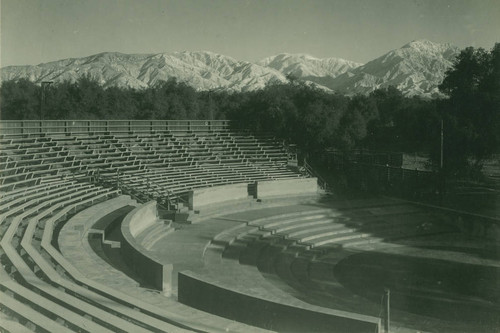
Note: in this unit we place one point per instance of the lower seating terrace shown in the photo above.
(29, 273)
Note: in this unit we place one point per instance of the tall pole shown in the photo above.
(210, 106)
(441, 166)
(442, 141)
(387, 304)
(42, 96)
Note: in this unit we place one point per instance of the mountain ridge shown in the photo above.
(416, 68)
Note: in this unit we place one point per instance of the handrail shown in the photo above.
(291, 151)
(321, 181)
(152, 186)
(22, 127)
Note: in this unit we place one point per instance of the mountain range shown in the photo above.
(417, 68)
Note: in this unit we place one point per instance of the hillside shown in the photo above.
(417, 68)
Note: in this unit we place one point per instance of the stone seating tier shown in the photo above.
(29, 267)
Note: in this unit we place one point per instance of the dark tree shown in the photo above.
(20, 100)
(472, 112)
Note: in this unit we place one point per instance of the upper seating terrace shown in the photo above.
(176, 155)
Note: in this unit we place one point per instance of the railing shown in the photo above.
(365, 156)
(291, 154)
(321, 181)
(22, 127)
(395, 175)
(165, 198)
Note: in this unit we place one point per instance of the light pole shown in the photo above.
(387, 309)
(442, 141)
(210, 105)
(42, 96)
(441, 165)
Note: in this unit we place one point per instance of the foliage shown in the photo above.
(87, 99)
(19, 100)
(472, 112)
(294, 111)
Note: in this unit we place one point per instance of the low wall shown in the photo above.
(471, 224)
(144, 217)
(151, 272)
(291, 187)
(251, 310)
(475, 225)
(217, 194)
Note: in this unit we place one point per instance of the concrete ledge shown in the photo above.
(217, 194)
(287, 187)
(236, 305)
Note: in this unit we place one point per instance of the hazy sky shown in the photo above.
(36, 31)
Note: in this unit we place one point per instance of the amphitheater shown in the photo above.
(177, 226)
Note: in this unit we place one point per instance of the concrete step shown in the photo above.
(234, 250)
(302, 225)
(336, 240)
(299, 234)
(331, 232)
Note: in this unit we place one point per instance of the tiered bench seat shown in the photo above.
(25, 266)
(34, 271)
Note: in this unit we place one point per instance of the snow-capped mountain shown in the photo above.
(416, 68)
(202, 70)
(304, 66)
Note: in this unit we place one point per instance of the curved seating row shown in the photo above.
(29, 271)
(311, 234)
(324, 229)
(34, 272)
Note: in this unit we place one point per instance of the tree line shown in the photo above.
(303, 114)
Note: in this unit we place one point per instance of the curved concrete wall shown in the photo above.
(210, 297)
(143, 217)
(151, 272)
(287, 187)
